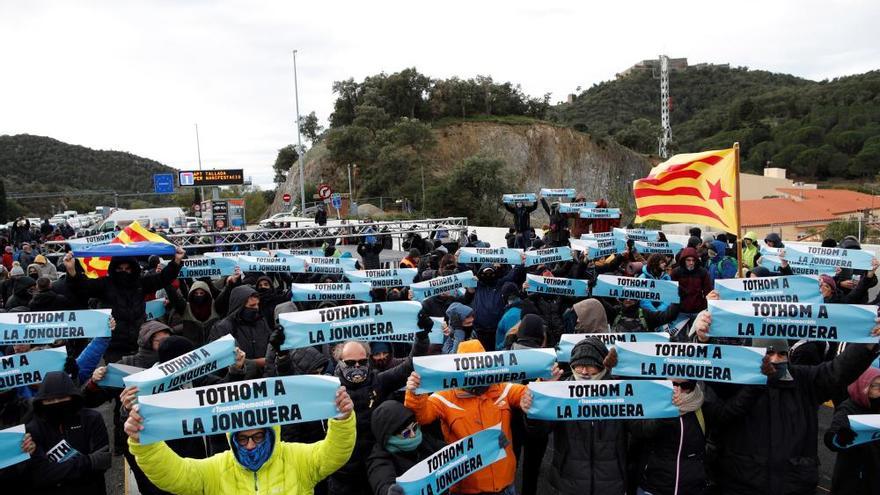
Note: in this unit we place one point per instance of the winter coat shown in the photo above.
(766, 435)
(589, 457)
(192, 328)
(750, 254)
(292, 468)
(125, 299)
(856, 469)
(462, 414)
(522, 220)
(367, 395)
(651, 305)
(693, 285)
(383, 467)
(21, 292)
(146, 357)
(671, 455)
(85, 434)
(49, 301)
(721, 266)
(251, 337)
(302, 361)
(488, 304)
(369, 254)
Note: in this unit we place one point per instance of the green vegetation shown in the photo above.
(817, 130)
(37, 164)
(843, 228)
(472, 190)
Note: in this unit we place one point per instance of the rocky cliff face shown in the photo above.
(536, 155)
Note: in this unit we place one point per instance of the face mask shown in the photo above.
(382, 363)
(254, 459)
(354, 374)
(60, 413)
(263, 290)
(125, 278)
(397, 443)
(875, 404)
(249, 315)
(34, 275)
(202, 299)
(781, 372)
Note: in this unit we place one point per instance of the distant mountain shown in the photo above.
(38, 164)
(817, 130)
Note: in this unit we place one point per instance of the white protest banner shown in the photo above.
(170, 375)
(236, 254)
(337, 291)
(439, 285)
(482, 368)
(602, 399)
(369, 321)
(29, 368)
(454, 462)
(709, 362)
(10, 446)
(208, 267)
(501, 255)
(226, 407)
(45, 327)
(643, 289)
(287, 264)
(548, 255)
(557, 286)
(384, 277)
(792, 288)
(567, 341)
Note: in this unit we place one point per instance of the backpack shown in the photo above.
(629, 324)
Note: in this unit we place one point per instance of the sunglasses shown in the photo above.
(356, 362)
(410, 431)
(686, 386)
(257, 438)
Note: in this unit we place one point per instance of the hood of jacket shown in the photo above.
(752, 236)
(388, 419)
(591, 317)
(22, 285)
(285, 307)
(148, 329)
(239, 297)
(116, 261)
(306, 360)
(720, 249)
(531, 333)
(199, 284)
(456, 313)
(56, 384)
(773, 236)
(857, 388)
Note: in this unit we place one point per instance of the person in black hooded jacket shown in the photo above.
(22, 292)
(123, 290)
(767, 435)
(72, 447)
(400, 445)
(589, 456)
(368, 388)
(245, 322)
(857, 470)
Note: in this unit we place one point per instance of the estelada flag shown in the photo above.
(695, 188)
(133, 240)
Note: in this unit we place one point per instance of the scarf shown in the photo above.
(691, 401)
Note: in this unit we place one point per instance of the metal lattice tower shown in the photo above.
(665, 126)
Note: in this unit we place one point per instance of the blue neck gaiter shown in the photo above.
(254, 459)
(397, 444)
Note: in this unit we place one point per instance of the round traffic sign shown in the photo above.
(324, 191)
(286, 198)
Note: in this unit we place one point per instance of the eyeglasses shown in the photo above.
(686, 386)
(410, 431)
(257, 437)
(356, 362)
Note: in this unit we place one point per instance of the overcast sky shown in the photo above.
(137, 76)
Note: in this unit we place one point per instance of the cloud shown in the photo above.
(137, 76)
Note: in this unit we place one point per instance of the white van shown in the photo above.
(164, 218)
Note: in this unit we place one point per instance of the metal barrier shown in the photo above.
(277, 238)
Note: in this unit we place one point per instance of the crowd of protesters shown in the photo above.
(728, 438)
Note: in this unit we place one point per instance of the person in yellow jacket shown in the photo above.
(258, 462)
(751, 253)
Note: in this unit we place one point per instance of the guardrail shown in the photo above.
(291, 237)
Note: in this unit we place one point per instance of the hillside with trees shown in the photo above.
(817, 130)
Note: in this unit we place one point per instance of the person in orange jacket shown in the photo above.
(463, 412)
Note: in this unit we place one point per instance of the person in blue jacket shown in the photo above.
(655, 269)
(488, 302)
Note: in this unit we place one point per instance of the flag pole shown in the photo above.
(739, 240)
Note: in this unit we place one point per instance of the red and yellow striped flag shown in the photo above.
(95, 267)
(695, 188)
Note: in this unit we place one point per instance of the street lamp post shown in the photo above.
(302, 184)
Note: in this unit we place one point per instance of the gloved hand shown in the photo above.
(276, 338)
(425, 323)
(767, 367)
(503, 442)
(845, 437)
(395, 489)
(71, 368)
